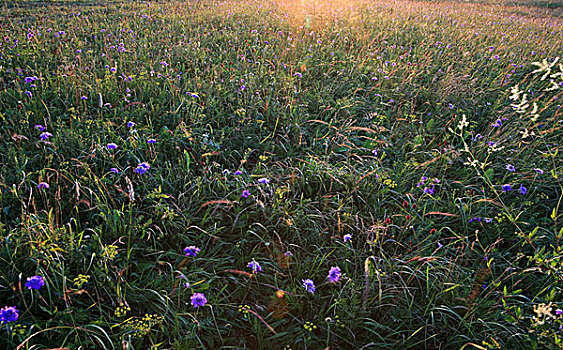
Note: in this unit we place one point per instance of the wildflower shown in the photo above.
(114, 170)
(39, 127)
(539, 171)
(264, 180)
(309, 285)
(198, 299)
(8, 314)
(130, 124)
(43, 185)
(45, 135)
(28, 93)
(255, 266)
(142, 168)
(83, 98)
(151, 141)
(429, 190)
(35, 282)
(334, 274)
(506, 188)
(191, 250)
(238, 172)
(523, 190)
(488, 220)
(288, 253)
(388, 221)
(347, 237)
(510, 167)
(111, 146)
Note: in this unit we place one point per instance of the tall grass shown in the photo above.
(385, 138)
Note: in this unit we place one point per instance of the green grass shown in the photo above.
(388, 121)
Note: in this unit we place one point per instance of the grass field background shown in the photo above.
(155, 152)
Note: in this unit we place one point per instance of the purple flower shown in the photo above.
(114, 170)
(506, 188)
(28, 93)
(151, 141)
(334, 274)
(288, 253)
(255, 266)
(9, 314)
(43, 185)
(238, 172)
(45, 135)
(130, 124)
(245, 193)
(488, 220)
(264, 180)
(35, 282)
(510, 167)
(111, 146)
(198, 299)
(347, 237)
(539, 171)
(191, 250)
(309, 285)
(523, 190)
(83, 98)
(429, 190)
(142, 168)
(39, 127)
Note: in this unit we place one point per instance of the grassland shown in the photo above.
(176, 173)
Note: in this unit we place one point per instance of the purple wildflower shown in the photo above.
(198, 299)
(151, 141)
(238, 172)
(39, 127)
(142, 168)
(429, 190)
(45, 135)
(43, 185)
(510, 167)
(114, 170)
(539, 171)
(9, 314)
(111, 146)
(309, 285)
(255, 266)
(347, 237)
(245, 193)
(506, 188)
(334, 274)
(264, 180)
(523, 190)
(130, 124)
(35, 282)
(28, 93)
(191, 250)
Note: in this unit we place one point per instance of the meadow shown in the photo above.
(233, 174)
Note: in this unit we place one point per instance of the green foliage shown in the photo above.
(375, 136)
